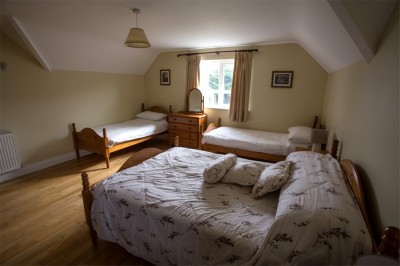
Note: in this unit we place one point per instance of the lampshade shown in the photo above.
(137, 39)
(319, 136)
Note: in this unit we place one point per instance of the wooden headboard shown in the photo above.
(316, 124)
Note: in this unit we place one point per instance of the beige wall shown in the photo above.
(362, 110)
(271, 109)
(38, 106)
(361, 106)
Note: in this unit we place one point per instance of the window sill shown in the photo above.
(217, 108)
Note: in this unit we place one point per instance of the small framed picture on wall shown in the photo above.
(165, 77)
(282, 79)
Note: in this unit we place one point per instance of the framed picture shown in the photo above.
(165, 77)
(282, 79)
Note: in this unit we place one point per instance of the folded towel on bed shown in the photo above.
(214, 172)
(243, 173)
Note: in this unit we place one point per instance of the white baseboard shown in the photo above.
(30, 168)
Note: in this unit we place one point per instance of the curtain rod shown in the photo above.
(218, 52)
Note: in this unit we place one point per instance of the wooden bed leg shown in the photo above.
(143, 107)
(106, 152)
(74, 132)
(107, 156)
(219, 122)
(176, 143)
(87, 198)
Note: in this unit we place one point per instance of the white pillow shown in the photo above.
(215, 171)
(149, 115)
(245, 174)
(300, 135)
(272, 178)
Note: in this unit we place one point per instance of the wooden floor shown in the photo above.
(42, 219)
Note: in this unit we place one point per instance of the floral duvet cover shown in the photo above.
(163, 211)
(317, 220)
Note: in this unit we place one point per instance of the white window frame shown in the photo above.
(221, 90)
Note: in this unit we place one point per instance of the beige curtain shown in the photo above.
(240, 87)
(192, 74)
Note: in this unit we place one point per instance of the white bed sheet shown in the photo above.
(248, 139)
(132, 129)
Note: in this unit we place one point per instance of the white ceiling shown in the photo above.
(88, 35)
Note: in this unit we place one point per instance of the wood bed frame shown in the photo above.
(349, 170)
(246, 153)
(354, 181)
(89, 140)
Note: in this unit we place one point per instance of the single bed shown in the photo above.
(256, 144)
(163, 211)
(110, 138)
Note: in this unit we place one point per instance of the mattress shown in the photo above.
(248, 139)
(132, 129)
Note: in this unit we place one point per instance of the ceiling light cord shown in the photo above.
(136, 11)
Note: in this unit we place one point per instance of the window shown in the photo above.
(216, 82)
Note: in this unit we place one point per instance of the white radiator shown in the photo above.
(9, 159)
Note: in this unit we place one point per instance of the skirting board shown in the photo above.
(30, 168)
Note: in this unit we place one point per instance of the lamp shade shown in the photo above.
(137, 39)
(319, 136)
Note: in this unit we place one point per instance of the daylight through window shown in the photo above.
(216, 82)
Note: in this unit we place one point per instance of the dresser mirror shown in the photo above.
(195, 101)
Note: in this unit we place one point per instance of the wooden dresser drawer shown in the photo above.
(188, 127)
(182, 120)
(182, 127)
(184, 142)
(183, 135)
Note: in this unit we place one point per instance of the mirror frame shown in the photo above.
(201, 102)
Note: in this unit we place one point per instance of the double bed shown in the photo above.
(256, 144)
(110, 138)
(162, 210)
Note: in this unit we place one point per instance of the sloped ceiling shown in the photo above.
(88, 35)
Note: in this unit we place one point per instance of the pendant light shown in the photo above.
(136, 37)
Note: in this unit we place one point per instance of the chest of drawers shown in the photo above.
(189, 128)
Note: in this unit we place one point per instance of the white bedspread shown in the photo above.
(248, 139)
(132, 129)
(163, 211)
